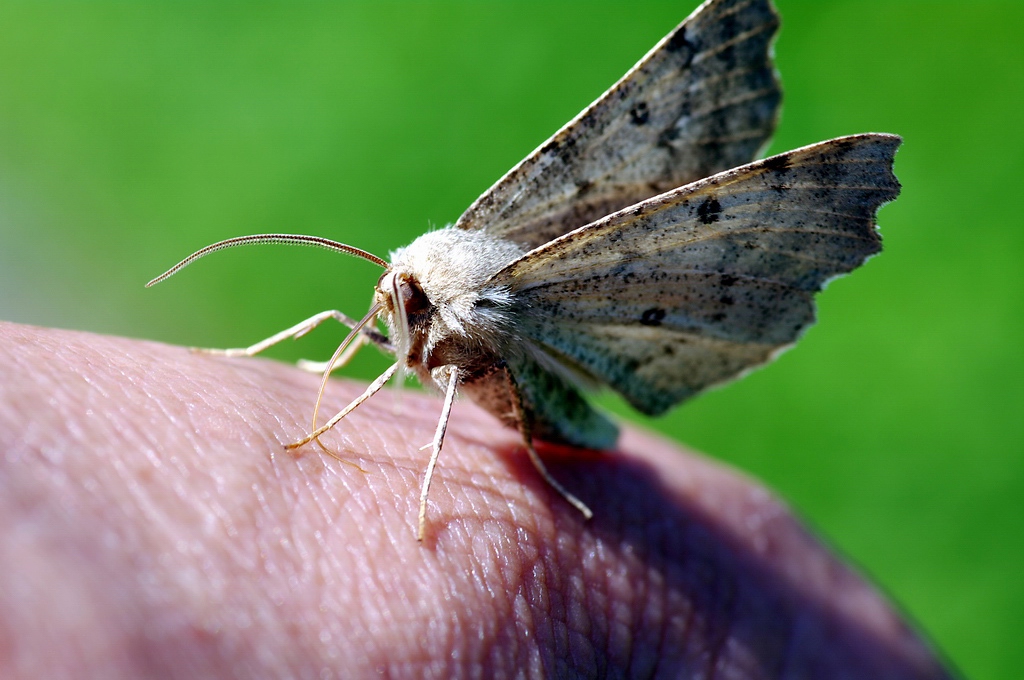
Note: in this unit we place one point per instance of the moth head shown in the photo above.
(404, 307)
(400, 294)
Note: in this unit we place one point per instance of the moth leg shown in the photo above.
(525, 430)
(365, 335)
(371, 390)
(442, 425)
(297, 331)
(346, 356)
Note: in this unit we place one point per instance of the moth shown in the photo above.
(639, 248)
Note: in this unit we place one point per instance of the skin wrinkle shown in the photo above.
(622, 605)
(584, 635)
(318, 500)
(599, 625)
(267, 547)
(653, 601)
(542, 592)
(497, 582)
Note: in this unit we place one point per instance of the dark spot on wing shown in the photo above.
(666, 138)
(678, 44)
(652, 316)
(559, 147)
(583, 187)
(728, 280)
(709, 210)
(778, 164)
(845, 144)
(639, 114)
(728, 57)
(830, 173)
(730, 27)
(713, 156)
(727, 300)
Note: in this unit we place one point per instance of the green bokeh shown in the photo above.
(133, 133)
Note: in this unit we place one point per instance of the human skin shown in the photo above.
(154, 526)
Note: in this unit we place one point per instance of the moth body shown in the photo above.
(640, 248)
(444, 312)
(438, 307)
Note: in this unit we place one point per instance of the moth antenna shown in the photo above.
(284, 239)
(370, 316)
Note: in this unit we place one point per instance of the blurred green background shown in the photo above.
(134, 133)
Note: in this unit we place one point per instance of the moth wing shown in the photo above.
(703, 100)
(697, 285)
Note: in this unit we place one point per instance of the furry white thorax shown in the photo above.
(451, 267)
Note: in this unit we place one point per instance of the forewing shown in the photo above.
(692, 287)
(705, 99)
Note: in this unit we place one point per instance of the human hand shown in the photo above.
(154, 526)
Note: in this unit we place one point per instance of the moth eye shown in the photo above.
(415, 300)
